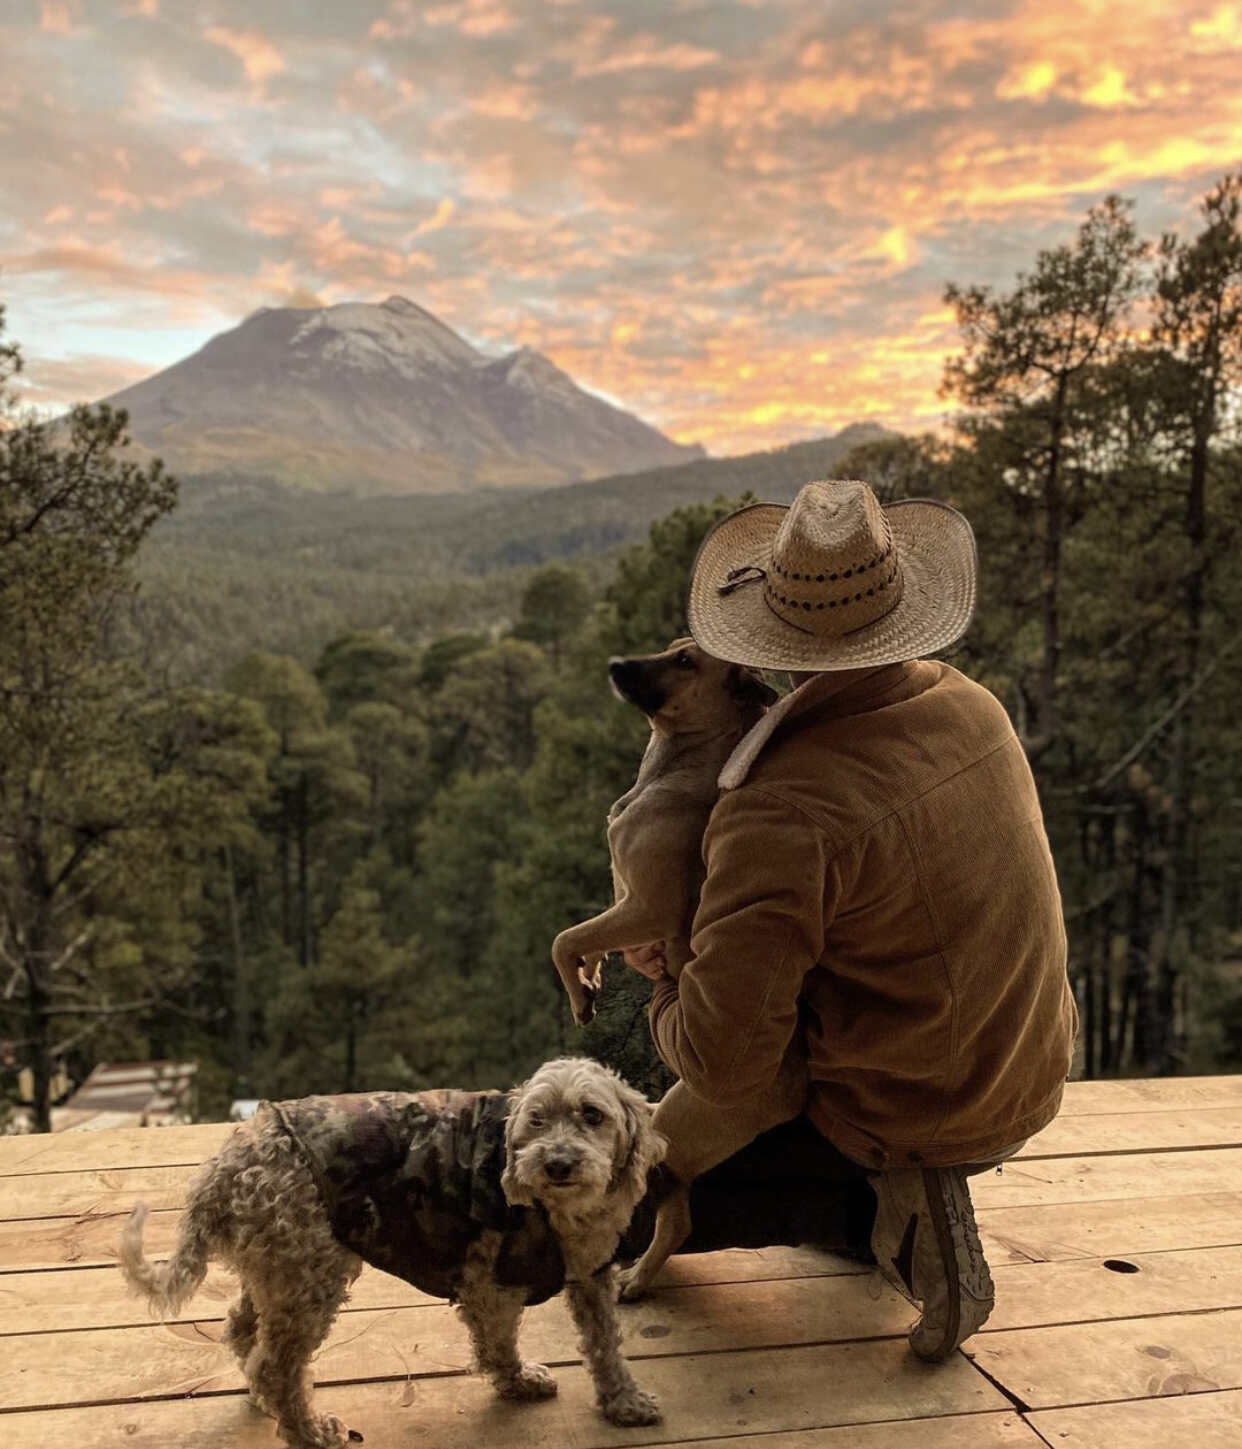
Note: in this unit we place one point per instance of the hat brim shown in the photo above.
(936, 547)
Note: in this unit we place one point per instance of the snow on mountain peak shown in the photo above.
(396, 334)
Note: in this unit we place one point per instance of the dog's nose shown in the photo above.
(558, 1168)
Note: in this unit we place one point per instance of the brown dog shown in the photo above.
(699, 708)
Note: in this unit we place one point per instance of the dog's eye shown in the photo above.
(592, 1116)
(534, 1120)
(685, 660)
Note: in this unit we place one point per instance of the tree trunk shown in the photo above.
(305, 943)
(241, 983)
(1136, 999)
(1174, 896)
(351, 1050)
(1089, 931)
(1108, 1035)
(285, 856)
(1050, 574)
(37, 958)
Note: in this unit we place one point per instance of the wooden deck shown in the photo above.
(1116, 1242)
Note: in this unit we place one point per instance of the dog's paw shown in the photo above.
(632, 1407)
(591, 972)
(533, 1381)
(331, 1433)
(584, 1005)
(631, 1285)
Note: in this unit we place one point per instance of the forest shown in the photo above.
(341, 867)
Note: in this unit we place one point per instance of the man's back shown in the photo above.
(940, 1021)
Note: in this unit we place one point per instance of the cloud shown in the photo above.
(259, 57)
(737, 219)
(649, 53)
(54, 382)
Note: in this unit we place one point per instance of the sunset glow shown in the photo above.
(736, 219)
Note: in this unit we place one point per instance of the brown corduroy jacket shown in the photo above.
(884, 859)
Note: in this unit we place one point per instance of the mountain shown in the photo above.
(380, 399)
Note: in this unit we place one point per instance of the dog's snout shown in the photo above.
(635, 681)
(558, 1168)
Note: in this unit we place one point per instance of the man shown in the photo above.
(877, 859)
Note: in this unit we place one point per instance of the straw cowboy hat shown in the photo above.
(834, 581)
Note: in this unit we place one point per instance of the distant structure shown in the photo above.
(130, 1094)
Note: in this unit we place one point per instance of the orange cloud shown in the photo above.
(471, 17)
(444, 213)
(647, 52)
(47, 382)
(57, 17)
(259, 57)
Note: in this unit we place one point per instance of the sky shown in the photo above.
(737, 219)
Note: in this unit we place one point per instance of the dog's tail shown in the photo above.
(167, 1285)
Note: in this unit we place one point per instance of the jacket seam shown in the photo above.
(950, 1070)
(966, 1151)
(778, 794)
(781, 799)
(740, 1055)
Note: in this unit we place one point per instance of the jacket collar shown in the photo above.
(837, 692)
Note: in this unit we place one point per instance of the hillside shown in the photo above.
(242, 566)
(380, 400)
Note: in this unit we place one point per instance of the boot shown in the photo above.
(926, 1243)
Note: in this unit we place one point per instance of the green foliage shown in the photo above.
(1100, 465)
(82, 794)
(554, 604)
(482, 716)
(251, 566)
(336, 1023)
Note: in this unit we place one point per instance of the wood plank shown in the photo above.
(162, 1146)
(77, 1298)
(740, 1393)
(426, 1337)
(1013, 1234)
(115, 1147)
(156, 1361)
(77, 1242)
(39, 1302)
(1033, 1294)
(97, 1190)
(1151, 1094)
(1090, 1179)
(979, 1431)
(992, 1430)
(1191, 1421)
(1112, 1132)
(1021, 1182)
(1110, 1228)
(1126, 1359)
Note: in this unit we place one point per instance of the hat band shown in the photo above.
(835, 614)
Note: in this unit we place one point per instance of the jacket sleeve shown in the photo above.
(723, 1027)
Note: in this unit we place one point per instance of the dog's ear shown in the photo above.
(749, 687)
(515, 1191)
(640, 1146)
